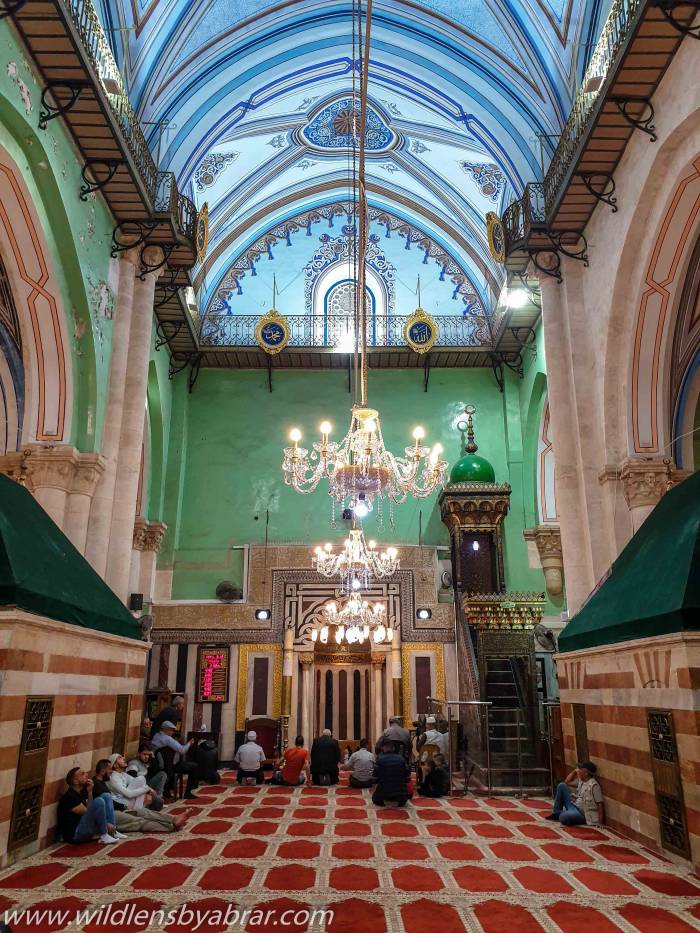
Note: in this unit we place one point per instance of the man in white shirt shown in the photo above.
(250, 757)
(579, 799)
(163, 740)
(433, 736)
(361, 763)
(132, 792)
(143, 766)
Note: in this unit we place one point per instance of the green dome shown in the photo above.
(472, 469)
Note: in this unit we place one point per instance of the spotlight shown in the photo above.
(593, 84)
(515, 298)
(360, 506)
(424, 613)
(262, 615)
(475, 545)
(356, 585)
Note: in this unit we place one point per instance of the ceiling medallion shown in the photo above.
(496, 236)
(354, 621)
(357, 563)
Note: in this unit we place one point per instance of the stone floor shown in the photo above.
(491, 865)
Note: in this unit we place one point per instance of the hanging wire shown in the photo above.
(362, 259)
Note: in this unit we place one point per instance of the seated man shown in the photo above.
(206, 754)
(82, 815)
(361, 764)
(433, 736)
(163, 739)
(146, 767)
(171, 713)
(292, 763)
(250, 757)
(436, 780)
(391, 774)
(325, 758)
(585, 805)
(137, 820)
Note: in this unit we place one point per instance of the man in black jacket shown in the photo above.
(171, 713)
(325, 759)
(391, 774)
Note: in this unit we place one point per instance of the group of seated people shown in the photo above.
(386, 769)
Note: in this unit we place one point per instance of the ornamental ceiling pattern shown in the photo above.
(256, 100)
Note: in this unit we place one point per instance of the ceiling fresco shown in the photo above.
(249, 103)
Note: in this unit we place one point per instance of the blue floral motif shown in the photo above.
(331, 128)
(211, 166)
(489, 178)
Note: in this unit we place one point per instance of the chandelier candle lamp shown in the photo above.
(354, 621)
(357, 563)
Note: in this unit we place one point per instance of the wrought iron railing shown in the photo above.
(160, 187)
(308, 330)
(520, 216)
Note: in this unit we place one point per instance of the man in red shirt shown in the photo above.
(292, 763)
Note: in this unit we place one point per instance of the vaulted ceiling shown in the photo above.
(467, 97)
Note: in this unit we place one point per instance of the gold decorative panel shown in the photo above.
(242, 694)
(422, 648)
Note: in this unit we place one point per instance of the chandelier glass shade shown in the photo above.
(360, 468)
(357, 563)
(354, 621)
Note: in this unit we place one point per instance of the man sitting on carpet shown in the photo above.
(164, 743)
(585, 805)
(325, 758)
(361, 763)
(391, 774)
(82, 815)
(145, 766)
(292, 763)
(138, 820)
(436, 780)
(250, 757)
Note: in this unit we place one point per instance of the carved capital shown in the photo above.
(139, 539)
(548, 541)
(50, 467)
(644, 482)
(89, 469)
(378, 659)
(148, 536)
(306, 658)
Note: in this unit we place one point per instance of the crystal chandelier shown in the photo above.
(357, 563)
(354, 622)
(360, 468)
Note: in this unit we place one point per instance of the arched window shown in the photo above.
(339, 315)
(11, 369)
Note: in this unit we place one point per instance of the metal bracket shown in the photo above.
(181, 360)
(426, 371)
(195, 366)
(529, 342)
(667, 9)
(10, 7)
(166, 331)
(140, 230)
(110, 167)
(602, 186)
(512, 361)
(147, 268)
(643, 122)
(547, 259)
(49, 111)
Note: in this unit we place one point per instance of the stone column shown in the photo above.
(146, 541)
(89, 469)
(101, 509)
(397, 693)
(578, 565)
(548, 541)
(131, 439)
(644, 483)
(287, 671)
(378, 659)
(306, 659)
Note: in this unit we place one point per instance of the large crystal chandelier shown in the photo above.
(357, 563)
(355, 621)
(360, 468)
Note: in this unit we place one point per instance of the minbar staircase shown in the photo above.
(501, 690)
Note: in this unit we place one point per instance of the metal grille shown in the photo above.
(31, 771)
(37, 722)
(674, 833)
(8, 311)
(661, 739)
(121, 723)
(25, 825)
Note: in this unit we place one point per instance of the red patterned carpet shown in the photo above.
(451, 865)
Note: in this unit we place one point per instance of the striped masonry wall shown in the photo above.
(617, 685)
(84, 671)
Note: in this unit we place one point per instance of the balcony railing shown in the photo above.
(540, 201)
(159, 187)
(334, 333)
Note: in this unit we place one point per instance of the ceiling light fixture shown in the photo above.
(354, 621)
(357, 563)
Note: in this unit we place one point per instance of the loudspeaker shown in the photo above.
(136, 602)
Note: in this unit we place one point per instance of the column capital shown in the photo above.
(378, 659)
(38, 466)
(89, 469)
(645, 481)
(547, 538)
(148, 536)
(306, 658)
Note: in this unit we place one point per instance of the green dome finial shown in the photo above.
(470, 468)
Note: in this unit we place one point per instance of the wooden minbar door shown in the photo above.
(31, 772)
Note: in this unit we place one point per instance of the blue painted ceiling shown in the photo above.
(255, 101)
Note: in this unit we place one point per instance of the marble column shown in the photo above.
(88, 471)
(378, 660)
(287, 672)
(132, 425)
(578, 566)
(547, 538)
(397, 693)
(98, 536)
(306, 659)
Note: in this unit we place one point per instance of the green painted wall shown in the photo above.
(224, 465)
(78, 234)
